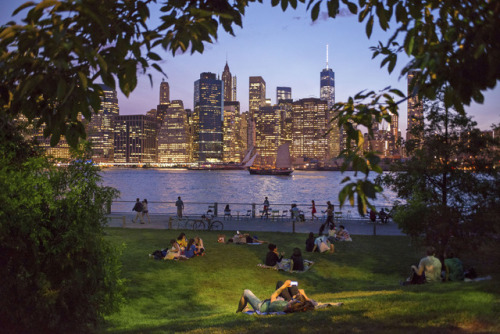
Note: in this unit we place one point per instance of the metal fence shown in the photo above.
(252, 210)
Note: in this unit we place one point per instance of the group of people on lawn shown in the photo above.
(181, 249)
(430, 269)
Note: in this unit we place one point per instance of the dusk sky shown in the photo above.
(286, 49)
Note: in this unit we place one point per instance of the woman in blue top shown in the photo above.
(190, 250)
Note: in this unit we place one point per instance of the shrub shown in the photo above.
(57, 271)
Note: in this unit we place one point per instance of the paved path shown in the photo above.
(354, 226)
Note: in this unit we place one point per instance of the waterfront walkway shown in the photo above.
(243, 224)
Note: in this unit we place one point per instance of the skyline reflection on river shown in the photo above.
(236, 187)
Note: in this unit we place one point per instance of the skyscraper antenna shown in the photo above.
(327, 56)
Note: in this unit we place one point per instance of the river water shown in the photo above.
(235, 187)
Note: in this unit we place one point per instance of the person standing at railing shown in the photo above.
(265, 212)
(180, 207)
(145, 211)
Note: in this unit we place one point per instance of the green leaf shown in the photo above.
(315, 11)
(284, 4)
(369, 26)
(154, 56)
(274, 3)
(23, 6)
(352, 7)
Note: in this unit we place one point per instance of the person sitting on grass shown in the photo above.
(182, 241)
(299, 302)
(428, 271)
(310, 242)
(174, 253)
(322, 245)
(332, 233)
(190, 250)
(296, 260)
(343, 234)
(273, 257)
(200, 249)
(454, 269)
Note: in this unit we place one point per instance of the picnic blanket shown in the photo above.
(285, 266)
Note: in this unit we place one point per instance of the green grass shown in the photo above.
(200, 295)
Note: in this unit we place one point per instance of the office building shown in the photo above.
(267, 133)
(285, 108)
(229, 84)
(135, 139)
(100, 130)
(415, 120)
(164, 92)
(256, 99)
(283, 93)
(310, 140)
(327, 93)
(173, 136)
(233, 146)
(207, 118)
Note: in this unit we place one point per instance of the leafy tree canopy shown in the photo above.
(450, 183)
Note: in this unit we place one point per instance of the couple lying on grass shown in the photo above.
(245, 238)
(181, 249)
(286, 298)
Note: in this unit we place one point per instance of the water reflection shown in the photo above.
(236, 187)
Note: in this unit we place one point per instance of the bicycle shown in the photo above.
(181, 222)
(208, 223)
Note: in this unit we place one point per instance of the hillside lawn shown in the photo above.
(200, 295)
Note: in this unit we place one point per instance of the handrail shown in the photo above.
(199, 208)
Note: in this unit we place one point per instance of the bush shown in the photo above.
(57, 271)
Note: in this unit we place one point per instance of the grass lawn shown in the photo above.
(201, 295)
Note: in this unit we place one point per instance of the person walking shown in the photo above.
(138, 208)
(145, 211)
(180, 207)
(313, 210)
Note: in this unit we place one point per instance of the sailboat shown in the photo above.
(283, 164)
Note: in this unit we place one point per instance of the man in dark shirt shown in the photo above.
(138, 208)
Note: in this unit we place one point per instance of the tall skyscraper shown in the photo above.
(233, 88)
(228, 84)
(310, 140)
(164, 92)
(267, 133)
(207, 118)
(231, 132)
(173, 137)
(415, 108)
(327, 84)
(135, 139)
(101, 126)
(256, 99)
(283, 93)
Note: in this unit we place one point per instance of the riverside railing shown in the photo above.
(239, 210)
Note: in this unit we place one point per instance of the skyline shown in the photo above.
(286, 49)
